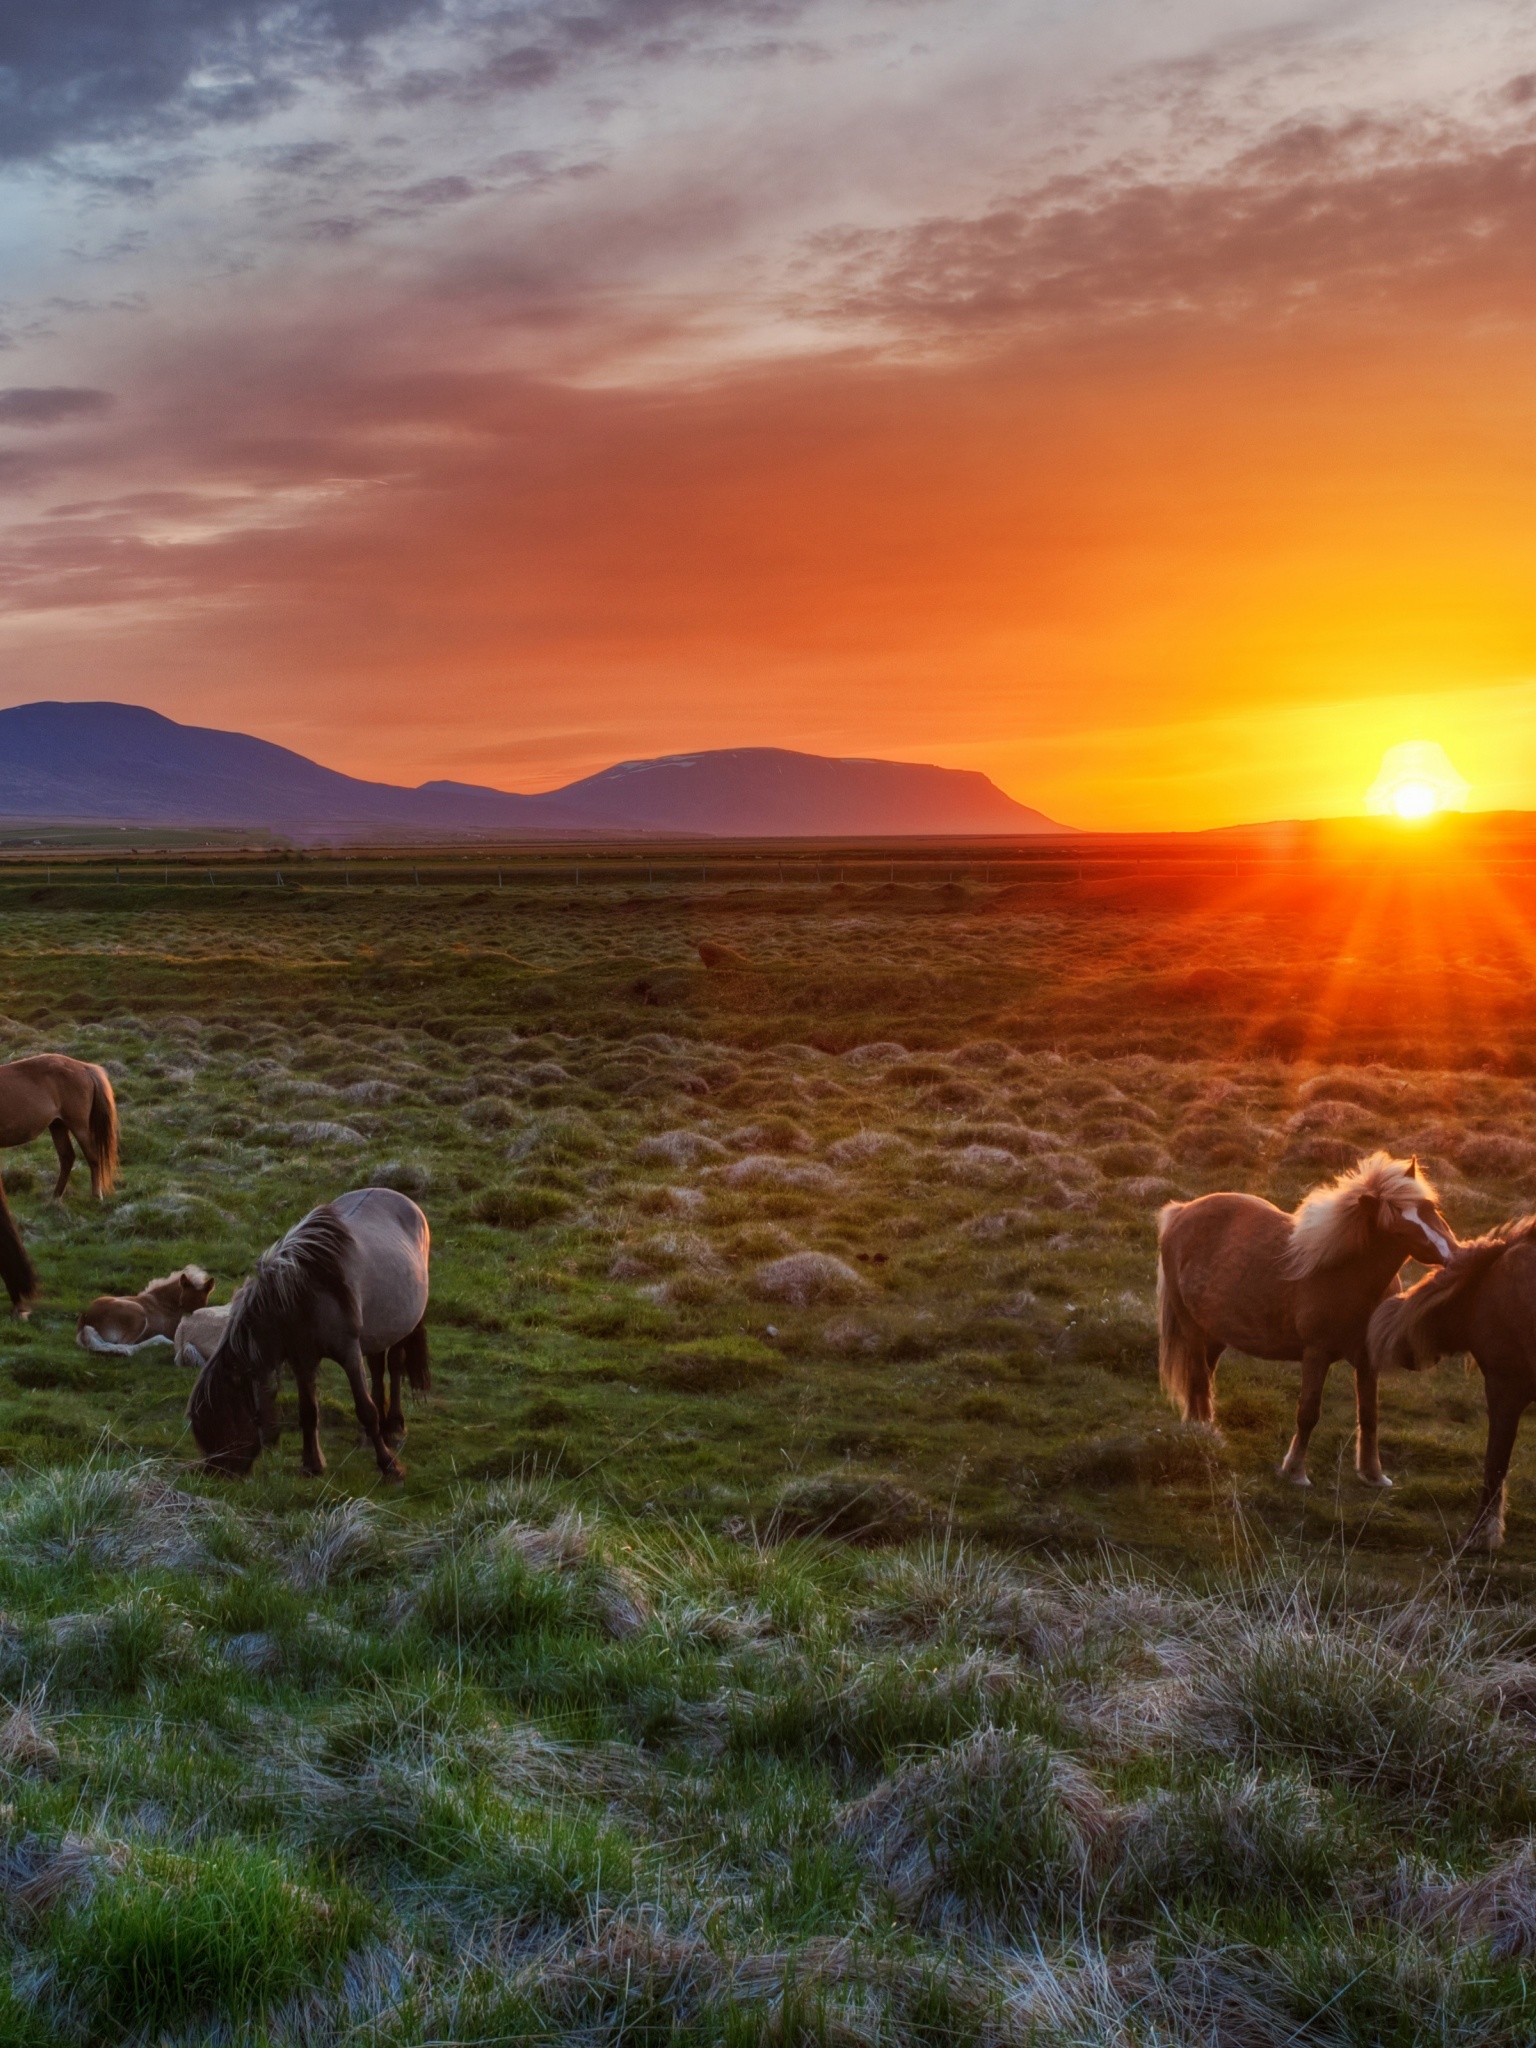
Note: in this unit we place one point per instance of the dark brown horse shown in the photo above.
(1483, 1301)
(70, 1101)
(1235, 1270)
(348, 1282)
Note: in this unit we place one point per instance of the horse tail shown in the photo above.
(1181, 1366)
(16, 1269)
(416, 1359)
(103, 1132)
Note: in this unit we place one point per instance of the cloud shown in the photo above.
(1308, 218)
(48, 405)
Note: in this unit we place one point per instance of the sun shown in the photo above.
(1415, 780)
(1415, 800)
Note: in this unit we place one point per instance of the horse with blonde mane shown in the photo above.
(1235, 1270)
(70, 1101)
(1483, 1301)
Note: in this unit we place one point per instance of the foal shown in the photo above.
(1483, 1301)
(125, 1322)
(1235, 1270)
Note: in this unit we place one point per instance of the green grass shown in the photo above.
(802, 1620)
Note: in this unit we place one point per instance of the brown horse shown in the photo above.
(69, 1100)
(1484, 1302)
(1232, 1269)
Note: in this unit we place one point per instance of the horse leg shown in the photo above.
(377, 1361)
(394, 1421)
(368, 1414)
(58, 1130)
(266, 1405)
(1504, 1411)
(1314, 1376)
(309, 1420)
(16, 1269)
(1367, 1449)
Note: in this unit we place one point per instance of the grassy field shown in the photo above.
(801, 1620)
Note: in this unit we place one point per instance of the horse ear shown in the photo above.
(1413, 1166)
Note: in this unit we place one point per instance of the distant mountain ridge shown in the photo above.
(107, 763)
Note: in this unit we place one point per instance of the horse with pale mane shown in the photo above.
(1234, 1270)
(1483, 1301)
(70, 1100)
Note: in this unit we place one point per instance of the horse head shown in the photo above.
(196, 1286)
(225, 1417)
(1381, 1201)
(1409, 1213)
(225, 1408)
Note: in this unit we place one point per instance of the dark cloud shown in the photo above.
(108, 70)
(93, 70)
(48, 405)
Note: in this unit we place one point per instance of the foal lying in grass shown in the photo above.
(123, 1322)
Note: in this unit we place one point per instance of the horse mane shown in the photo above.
(1334, 1222)
(309, 1260)
(1403, 1332)
(191, 1276)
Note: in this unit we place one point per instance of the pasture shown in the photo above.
(802, 1618)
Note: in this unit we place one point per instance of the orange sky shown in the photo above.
(1168, 478)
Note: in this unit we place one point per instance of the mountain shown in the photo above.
(121, 764)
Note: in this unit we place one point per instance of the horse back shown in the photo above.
(392, 1251)
(1225, 1255)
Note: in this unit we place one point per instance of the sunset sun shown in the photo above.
(1416, 779)
(1415, 799)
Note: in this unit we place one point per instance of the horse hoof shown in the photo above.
(1294, 1478)
(1373, 1479)
(393, 1475)
(313, 1471)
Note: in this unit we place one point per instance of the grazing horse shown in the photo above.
(68, 1099)
(124, 1322)
(1233, 1269)
(1484, 1302)
(348, 1282)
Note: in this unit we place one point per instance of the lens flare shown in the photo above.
(1415, 780)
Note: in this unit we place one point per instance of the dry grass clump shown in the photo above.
(847, 1506)
(803, 1278)
(997, 1824)
(348, 1540)
(944, 1589)
(1351, 1708)
(680, 1148)
(26, 1744)
(867, 1145)
(1498, 1906)
(1238, 1835)
(116, 1517)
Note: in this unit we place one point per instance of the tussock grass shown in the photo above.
(756, 1652)
(531, 1765)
